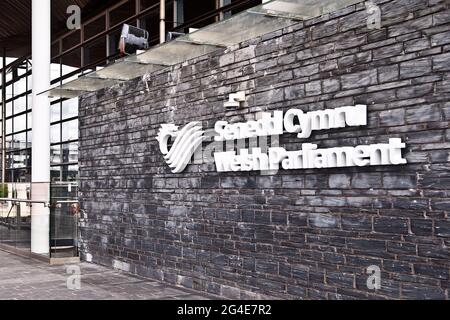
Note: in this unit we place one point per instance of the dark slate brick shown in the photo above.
(422, 227)
(440, 38)
(391, 225)
(421, 292)
(340, 279)
(359, 79)
(432, 271)
(441, 62)
(415, 68)
(442, 228)
(410, 26)
(423, 113)
(366, 180)
(387, 51)
(356, 223)
(339, 181)
(434, 251)
(366, 245)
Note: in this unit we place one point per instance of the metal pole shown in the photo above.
(4, 118)
(162, 21)
(40, 170)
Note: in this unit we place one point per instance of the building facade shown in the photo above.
(290, 149)
(303, 233)
(73, 53)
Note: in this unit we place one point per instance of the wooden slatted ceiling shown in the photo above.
(15, 21)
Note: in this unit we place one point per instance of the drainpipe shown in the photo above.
(40, 167)
(162, 21)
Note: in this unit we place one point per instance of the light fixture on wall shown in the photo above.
(235, 100)
(173, 35)
(133, 39)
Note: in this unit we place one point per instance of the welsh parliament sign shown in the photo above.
(187, 140)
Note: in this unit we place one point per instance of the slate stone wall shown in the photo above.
(307, 234)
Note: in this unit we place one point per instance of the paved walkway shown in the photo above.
(27, 279)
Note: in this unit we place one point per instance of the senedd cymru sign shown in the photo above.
(186, 141)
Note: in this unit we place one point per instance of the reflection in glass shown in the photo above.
(29, 138)
(69, 173)
(70, 130)
(9, 140)
(55, 174)
(20, 86)
(20, 123)
(20, 105)
(70, 108)
(9, 109)
(9, 126)
(30, 120)
(55, 112)
(19, 141)
(21, 159)
(70, 152)
(55, 154)
(9, 160)
(55, 133)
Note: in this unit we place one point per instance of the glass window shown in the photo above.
(55, 70)
(69, 173)
(30, 100)
(55, 174)
(22, 159)
(9, 160)
(95, 27)
(20, 105)
(20, 86)
(20, 141)
(55, 112)
(20, 123)
(122, 13)
(70, 108)
(71, 40)
(30, 120)
(70, 130)
(29, 138)
(193, 11)
(22, 175)
(8, 126)
(71, 62)
(95, 52)
(9, 109)
(150, 22)
(9, 140)
(55, 133)
(148, 3)
(55, 154)
(114, 39)
(9, 92)
(70, 152)
(55, 49)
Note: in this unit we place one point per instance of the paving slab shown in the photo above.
(27, 279)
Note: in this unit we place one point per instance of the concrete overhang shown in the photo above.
(270, 16)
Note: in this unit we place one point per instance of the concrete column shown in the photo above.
(40, 189)
(162, 21)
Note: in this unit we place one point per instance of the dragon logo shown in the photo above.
(185, 142)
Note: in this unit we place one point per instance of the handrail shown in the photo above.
(45, 203)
